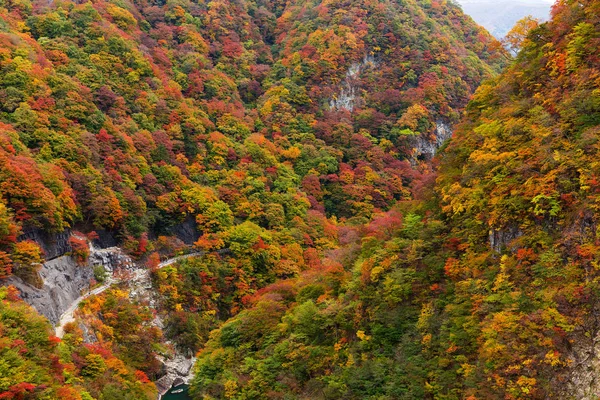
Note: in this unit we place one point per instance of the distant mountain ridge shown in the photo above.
(498, 17)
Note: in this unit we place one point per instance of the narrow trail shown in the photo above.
(140, 273)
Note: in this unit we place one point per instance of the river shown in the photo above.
(177, 396)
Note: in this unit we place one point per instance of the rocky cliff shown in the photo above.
(53, 244)
(63, 282)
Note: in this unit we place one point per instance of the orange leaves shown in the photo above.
(209, 242)
(141, 376)
(453, 268)
(5, 265)
(68, 393)
(26, 253)
(587, 251)
(526, 256)
(153, 261)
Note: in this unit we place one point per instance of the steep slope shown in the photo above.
(487, 288)
(120, 116)
(262, 128)
(519, 177)
(37, 365)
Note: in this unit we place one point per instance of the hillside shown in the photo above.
(485, 288)
(38, 365)
(129, 117)
(291, 145)
(254, 132)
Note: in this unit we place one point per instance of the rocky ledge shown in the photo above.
(64, 281)
(179, 370)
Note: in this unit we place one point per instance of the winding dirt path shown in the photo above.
(68, 315)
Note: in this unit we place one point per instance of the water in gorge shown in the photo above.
(177, 396)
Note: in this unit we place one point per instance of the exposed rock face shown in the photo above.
(187, 231)
(63, 282)
(53, 244)
(179, 370)
(582, 377)
(501, 238)
(178, 367)
(66, 283)
(348, 96)
(110, 258)
(104, 240)
(427, 146)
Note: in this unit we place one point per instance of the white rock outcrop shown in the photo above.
(348, 95)
(426, 146)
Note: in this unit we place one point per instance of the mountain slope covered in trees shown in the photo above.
(129, 116)
(269, 126)
(297, 137)
(486, 288)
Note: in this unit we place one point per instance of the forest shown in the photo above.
(386, 201)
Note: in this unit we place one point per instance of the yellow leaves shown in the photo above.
(458, 199)
(375, 273)
(467, 369)
(370, 175)
(491, 155)
(122, 18)
(410, 118)
(553, 358)
(275, 96)
(292, 153)
(286, 16)
(231, 388)
(351, 40)
(350, 361)
(502, 280)
(120, 294)
(117, 365)
(426, 339)
(196, 40)
(425, 317)
(363, 336)
(516, 38)
(22, 64)
(526, 384)
(584, 180)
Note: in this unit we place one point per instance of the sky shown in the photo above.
(499, 16)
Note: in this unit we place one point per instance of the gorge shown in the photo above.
(346, 199)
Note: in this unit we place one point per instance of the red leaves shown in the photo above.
(5, 265)
(384, 225)
(18, 391)
(526, 256)
(80, 250)
(103, 136)
(231, 47)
